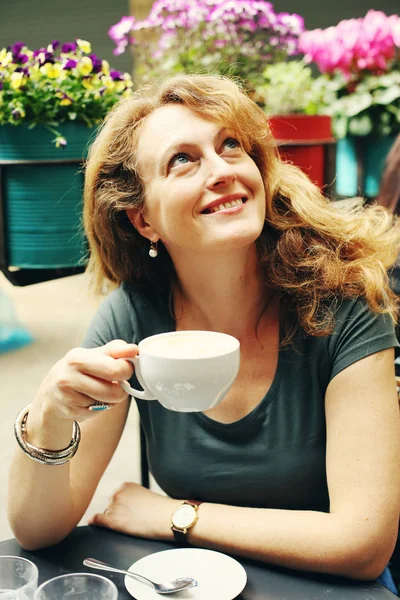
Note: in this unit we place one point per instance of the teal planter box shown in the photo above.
(375, 155)
(360, 163)
(346, 168)
(42, 196)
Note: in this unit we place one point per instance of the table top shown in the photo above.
(264, 582)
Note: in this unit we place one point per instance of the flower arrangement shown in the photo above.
(57, 84)
(228, 36)
(360, 60)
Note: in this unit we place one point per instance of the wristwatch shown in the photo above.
(184, 518)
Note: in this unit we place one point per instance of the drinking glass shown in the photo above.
(18, 578)
(79, 586)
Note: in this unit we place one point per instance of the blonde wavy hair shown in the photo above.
(311, 253)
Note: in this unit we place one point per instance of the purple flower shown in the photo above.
(16, 48)
(116, 75)
(21, 58)
(23, 70)
(70, 64)
(43, 56)
(55, 44)
(97, 63)
(68, 47)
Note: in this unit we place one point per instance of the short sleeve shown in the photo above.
(113, 320)
(359, 332)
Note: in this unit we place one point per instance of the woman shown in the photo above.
(192, 215)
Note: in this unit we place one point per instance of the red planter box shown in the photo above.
(305, 140)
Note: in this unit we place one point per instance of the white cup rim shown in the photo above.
(235, 344)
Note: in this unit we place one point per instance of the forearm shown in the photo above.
(40, 507)
(304, 540)
(41, 510)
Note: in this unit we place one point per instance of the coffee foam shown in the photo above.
(190, 345)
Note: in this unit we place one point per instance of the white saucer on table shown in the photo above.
(220, 577)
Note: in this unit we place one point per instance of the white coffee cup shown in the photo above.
(186, 371)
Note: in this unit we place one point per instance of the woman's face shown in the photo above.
(203, 192)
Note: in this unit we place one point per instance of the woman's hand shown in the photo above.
(84, 376)
(135, 510)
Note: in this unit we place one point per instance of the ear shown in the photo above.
(138, 220)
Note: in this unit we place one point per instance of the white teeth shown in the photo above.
(226, 205)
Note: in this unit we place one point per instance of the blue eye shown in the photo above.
(180, 158)
(232, 143)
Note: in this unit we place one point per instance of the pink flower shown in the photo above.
(354, 45)
(394, 21)
(120, 30)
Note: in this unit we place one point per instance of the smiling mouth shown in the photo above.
(224, 206)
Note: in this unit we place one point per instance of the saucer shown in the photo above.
(219, 576)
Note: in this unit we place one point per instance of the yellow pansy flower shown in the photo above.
(84, 46)
(51, 71)
(87, 83)
(128, 80)
(17, 80)
(5, 57)
(85, 66)
(105, 67)
(34, 72)
(65, 102)
(119, 86)
(108, 83)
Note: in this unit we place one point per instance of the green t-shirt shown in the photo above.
(273, 457)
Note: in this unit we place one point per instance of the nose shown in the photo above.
(220, 173)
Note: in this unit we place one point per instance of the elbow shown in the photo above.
(32, 538)
(32, 544)
(367, 559)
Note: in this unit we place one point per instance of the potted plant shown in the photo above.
(245, 39)
(236, 38)
(360, 62)
(51, 101)
(293, 98)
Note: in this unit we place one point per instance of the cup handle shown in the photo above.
(146, 394)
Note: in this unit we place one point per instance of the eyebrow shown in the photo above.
(181, 144)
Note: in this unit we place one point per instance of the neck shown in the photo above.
(223, 293)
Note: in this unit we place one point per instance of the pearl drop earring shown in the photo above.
(153, 252)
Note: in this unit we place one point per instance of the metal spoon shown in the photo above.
(167, 587)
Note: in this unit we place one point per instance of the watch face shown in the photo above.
(184, 516)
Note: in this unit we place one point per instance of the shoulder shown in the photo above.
(129, 312)
(358, 332)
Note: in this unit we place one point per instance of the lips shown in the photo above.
(224, 204)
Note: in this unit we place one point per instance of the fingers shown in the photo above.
(85, 376)
(101, 520)
(98, 364)
(87, 389)
(118, 349)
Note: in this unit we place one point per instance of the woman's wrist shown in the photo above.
(44, 430)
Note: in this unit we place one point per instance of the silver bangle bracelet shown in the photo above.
(42, 455)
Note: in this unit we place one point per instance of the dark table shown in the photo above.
(264, 581)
